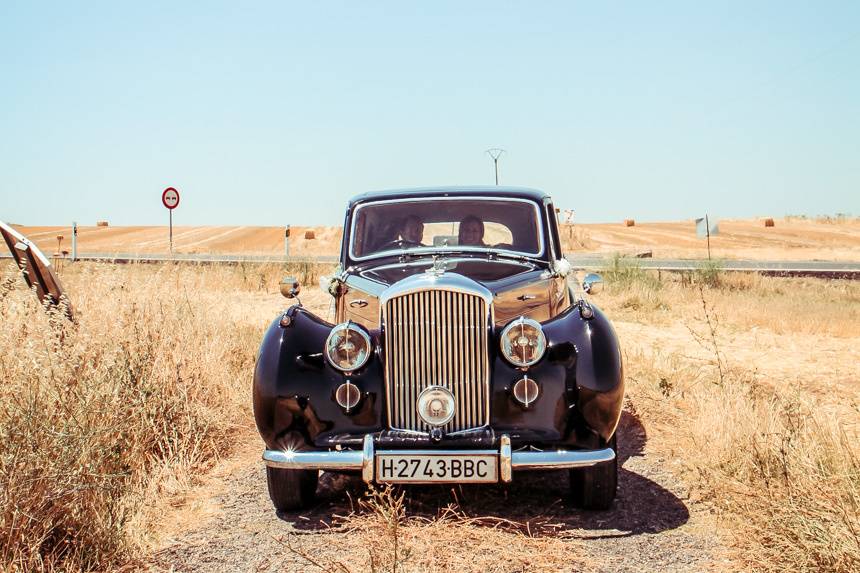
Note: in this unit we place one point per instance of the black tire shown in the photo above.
(595, 487)
(292, 489)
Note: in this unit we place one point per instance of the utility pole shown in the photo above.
(708, 230)
(495, 153)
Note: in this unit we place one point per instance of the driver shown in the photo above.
(412, 230)
(471, 232)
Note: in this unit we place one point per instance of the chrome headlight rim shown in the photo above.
(541, 337)
(353, 327)
(421, 404)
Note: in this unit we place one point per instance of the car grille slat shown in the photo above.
(436, 338)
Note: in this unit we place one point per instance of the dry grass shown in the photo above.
(779, 465)
(100, 417)
(575, 238)
(381, 535)
(828, 308)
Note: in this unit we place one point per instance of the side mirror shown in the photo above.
(290, 287)
(592, 284)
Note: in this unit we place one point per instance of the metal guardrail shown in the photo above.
(124, 258)
(831, 269)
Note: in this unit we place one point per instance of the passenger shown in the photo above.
(471, 232)
(412, 230)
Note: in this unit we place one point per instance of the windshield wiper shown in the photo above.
(514, 256)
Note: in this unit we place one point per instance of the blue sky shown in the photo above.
(275, 113)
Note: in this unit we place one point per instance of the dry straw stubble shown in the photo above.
(97, 418)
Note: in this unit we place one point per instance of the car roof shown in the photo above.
(464, 190)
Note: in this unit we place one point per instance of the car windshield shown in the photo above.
(441, 224)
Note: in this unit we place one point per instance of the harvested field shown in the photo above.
(829, 239)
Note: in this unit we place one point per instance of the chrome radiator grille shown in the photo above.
(436, 338)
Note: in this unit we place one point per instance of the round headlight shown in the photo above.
(347, 347)
(523, 342)
(436, 405)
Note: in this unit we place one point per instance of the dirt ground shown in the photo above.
(227, 523)
(789, 239)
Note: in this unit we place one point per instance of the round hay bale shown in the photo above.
(101, 223)
(310, 235)
(629, 223)
(768, 222)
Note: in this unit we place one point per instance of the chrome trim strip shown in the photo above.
(367, 459)
(538, 217)
(560, 459)
(505, 468)
(348, 460)
(447, 282)
(337, 460)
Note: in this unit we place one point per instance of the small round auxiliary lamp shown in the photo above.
(436, 406)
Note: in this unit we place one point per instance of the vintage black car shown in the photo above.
(460, 353)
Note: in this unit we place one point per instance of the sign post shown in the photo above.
(74, 240)
(704, 230)
(170, 199)
(287, 242)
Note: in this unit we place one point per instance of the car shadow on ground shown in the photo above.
(537, 501)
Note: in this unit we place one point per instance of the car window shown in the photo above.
(427, 225)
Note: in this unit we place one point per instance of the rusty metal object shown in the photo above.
(36, 269)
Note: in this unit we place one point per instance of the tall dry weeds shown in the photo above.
(95, 418)
(778, 464)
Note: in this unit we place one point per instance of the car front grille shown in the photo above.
(437, 338)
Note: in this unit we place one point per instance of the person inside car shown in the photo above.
(412, 230)
(471, 232)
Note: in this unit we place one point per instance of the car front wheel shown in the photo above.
(292, 489)
(594, 487)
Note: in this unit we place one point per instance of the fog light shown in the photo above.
(347, 395)
(526, 391)
(436, 406)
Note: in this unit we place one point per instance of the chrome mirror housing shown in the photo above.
(592, 284)
(290, 287)
(562, 267)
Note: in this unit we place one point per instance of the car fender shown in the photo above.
(596, 364)
(293, 389)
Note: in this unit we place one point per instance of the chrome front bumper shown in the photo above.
(353, 460)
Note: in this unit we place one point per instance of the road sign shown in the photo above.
(170, 198)
(706, 228)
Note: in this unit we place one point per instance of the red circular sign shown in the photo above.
(170, 198)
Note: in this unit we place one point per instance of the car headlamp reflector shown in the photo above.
(436, 405)
(347, 347)
(523, 342)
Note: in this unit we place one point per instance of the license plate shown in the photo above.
(394, 467)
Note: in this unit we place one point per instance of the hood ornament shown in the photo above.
(439, 267)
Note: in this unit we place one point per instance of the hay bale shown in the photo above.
(768, 222)
(629, 223)
(310, 235)
(101, 223)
